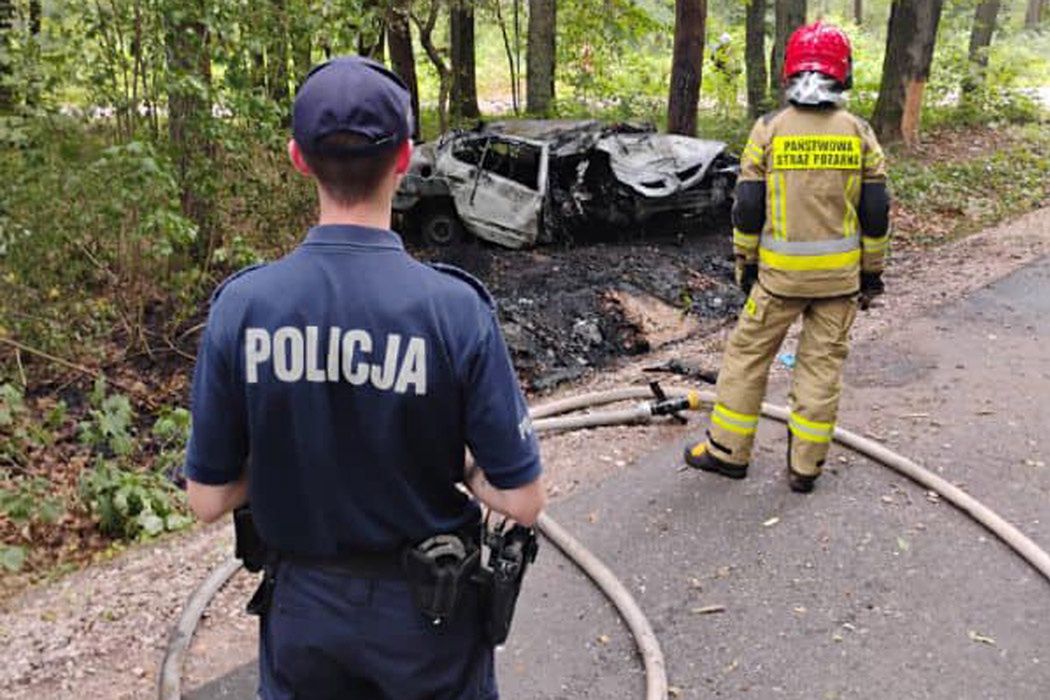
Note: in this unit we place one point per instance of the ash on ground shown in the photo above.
(565, 309)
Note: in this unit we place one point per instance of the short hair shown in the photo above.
(349, 178)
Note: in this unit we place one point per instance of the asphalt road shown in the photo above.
(867, 588)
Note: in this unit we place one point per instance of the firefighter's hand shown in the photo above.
(746, 276)
(871, 286)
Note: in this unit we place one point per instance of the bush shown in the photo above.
(171, 432)
(89, 234)
(19, 433)
(109, 426)
(28, 500)
(131, 504)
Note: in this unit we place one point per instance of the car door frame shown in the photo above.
(479, 194)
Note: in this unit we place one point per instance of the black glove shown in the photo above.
(870, 287)
(746, 276)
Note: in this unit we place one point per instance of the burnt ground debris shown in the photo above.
(558, 304)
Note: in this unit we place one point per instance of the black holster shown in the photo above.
(255, 556)
(438, 570)
(248, 546)
(510, 554)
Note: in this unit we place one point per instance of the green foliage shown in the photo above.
(29, 501)
(132, 504)
(12, 558)
(19, 433)
(618, 59)
(90, 233)
(109, 425)
(171, 432)
(982, 190)
(12, 405)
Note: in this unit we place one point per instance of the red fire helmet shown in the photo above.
(819, 47)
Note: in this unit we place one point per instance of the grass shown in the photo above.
(943, 198)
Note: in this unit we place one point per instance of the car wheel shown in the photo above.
(442, 229)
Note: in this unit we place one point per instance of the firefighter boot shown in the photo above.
(699, 457)
(799, 483)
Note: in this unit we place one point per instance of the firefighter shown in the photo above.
(810, 235)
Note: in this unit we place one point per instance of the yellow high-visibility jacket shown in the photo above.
(813, 163)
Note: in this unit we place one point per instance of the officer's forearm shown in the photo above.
(522, 504)
(209, 503)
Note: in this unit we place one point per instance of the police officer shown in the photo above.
(338, 388)
(810, 233)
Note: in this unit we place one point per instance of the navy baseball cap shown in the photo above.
(351, 94)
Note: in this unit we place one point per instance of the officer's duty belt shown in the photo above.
(370, 565)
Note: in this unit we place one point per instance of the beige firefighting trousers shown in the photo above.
(817, 382)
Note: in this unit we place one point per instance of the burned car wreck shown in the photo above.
(520, 183)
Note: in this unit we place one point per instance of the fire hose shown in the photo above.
(551, 417)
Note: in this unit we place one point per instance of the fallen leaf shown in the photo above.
(709, 609)
(604, 639)
(903, 544)
(980, 638)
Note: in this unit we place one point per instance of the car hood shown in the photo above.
(659, 165)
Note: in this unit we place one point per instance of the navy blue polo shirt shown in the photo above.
(348, 378)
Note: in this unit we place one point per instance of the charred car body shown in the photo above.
(521, 183)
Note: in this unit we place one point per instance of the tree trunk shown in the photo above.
(464, 102)
(1033, 14)
(909, 52)
(399, 39)
(984, 20)
(189, 114)
(277, 52)
(686, 66)
(755, 56)
(539, 58)
(426, 39)
(7, 16)
(858, 12)
(509, 48)
(790, 15)
(34, 17)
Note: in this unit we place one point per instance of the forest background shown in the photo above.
(143, 160)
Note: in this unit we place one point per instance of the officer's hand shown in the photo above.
(871, 286)
(746, 276)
